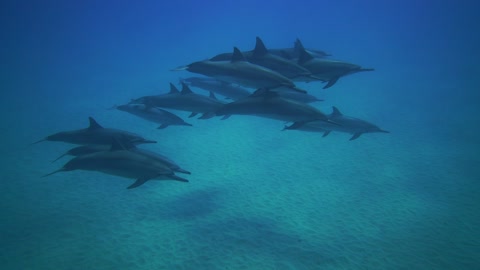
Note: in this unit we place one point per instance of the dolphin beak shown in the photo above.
(148, 141)
(383, 131)
(42, 140)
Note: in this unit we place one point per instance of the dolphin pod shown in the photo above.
(270, 73)
(274, 68)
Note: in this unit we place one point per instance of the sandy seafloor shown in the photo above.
(258, 198)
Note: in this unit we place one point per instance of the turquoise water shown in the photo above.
(258, 198)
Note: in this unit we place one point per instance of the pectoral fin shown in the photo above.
(139, 182)
(207, 115)
(331, 83)
(355, 136)
(325, 134)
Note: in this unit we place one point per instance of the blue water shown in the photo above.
(258, 198)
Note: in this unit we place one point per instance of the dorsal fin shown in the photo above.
(336, 111)
(93, 124)
(173, 89)
(298, 46)
(304, 56)
(237, 55)
(185, 89)
(212, 95)
(260, 49)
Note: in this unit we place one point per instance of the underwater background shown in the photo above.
(258, 198)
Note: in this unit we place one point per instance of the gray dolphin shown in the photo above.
(345, 123)
(218, 87)
(239, 70)
(269, 104)
(122, 162)
(260, 55)
(186, 100)
(95, 134)
(328, 70)
(238, 92)
(153, 114)
(89, 149)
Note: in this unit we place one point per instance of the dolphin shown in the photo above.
(186, 100)
(261, 56)
(218, 87)
(239, 70)
(270, 104)
(153, 114)
(237, 92)
(89, 149)
(347, 124)
(122, 162)
(95, 134)
(328, 70)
